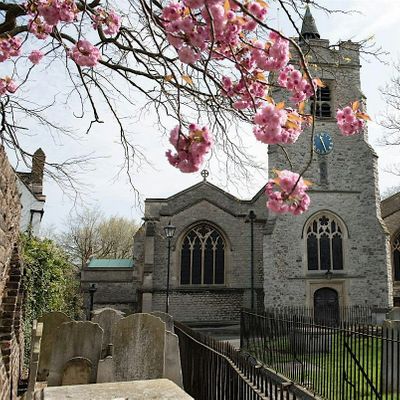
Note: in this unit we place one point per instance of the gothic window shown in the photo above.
(324, 237)
(203, 256)
(396, 258)
(323, 106)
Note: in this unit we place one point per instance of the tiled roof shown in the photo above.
(110, 263)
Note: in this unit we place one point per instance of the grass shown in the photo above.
(334, 364)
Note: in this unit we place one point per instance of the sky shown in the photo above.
(105, 186)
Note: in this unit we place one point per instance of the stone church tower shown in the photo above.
(337, 252)
(229, 253)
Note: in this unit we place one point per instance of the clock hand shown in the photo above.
(323, 144)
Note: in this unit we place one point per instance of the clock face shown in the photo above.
(323, 143)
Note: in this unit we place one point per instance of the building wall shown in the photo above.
(350, 190)
(203, 203)
(116, 287)
(31, 213)
(391, 215)
(11, 342)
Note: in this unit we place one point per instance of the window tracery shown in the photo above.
(324, 236)
(203, 256)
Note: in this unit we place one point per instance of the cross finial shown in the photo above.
(204, 174)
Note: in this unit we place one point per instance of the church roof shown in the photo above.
(309, 28)
(390, 205)
(110, 263)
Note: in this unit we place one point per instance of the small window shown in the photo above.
(324, 236)
(203, 257)
(323, 106)
(396, 257)
(396, 301)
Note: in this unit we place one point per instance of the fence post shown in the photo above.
(391, 353)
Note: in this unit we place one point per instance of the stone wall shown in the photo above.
(207, 203)
(11, 342)
(348, 187)
(116, 288)
(391, 215)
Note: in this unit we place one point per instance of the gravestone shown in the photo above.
(166, 318)
(105, 370)
(36, 337)
(106, 318)
(51, 322)
(172, 366)
(77, 371)
(139, 348)
(75, 339)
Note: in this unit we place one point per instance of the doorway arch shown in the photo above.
(326, 306)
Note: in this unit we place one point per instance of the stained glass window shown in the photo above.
(203, 256)
(324, 236)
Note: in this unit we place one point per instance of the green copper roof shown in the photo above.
(309, 28)
(110, 263)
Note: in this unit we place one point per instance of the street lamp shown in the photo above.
(92, 291)
(251, 217)
(169, 231)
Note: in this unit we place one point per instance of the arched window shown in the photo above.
(203, 256)
(323, 106)
(324, 236)
(396, 257)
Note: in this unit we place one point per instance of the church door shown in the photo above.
(326, 306)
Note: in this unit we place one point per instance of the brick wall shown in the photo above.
(11, 339)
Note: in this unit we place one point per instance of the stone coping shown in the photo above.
(155, 389)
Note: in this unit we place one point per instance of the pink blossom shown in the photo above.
(7, 85)
(191, 149)
(110, 19)
(85, 54)
(35, 56)
(272, 56)
(277, 125)
(187, 55)
(350, 122)
(287, 193)
(53, 11)
(194, 3)
(9, 47)
(39, 28)
(291, 79)
(172, 11)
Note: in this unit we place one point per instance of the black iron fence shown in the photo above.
(214, 370)
(327, 315)
(343, 361)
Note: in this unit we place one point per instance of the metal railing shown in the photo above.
(338, 361)
(214, 370)
(326, 315)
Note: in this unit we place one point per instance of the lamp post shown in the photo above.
(252, 217)
(169, 231)
(92, 291)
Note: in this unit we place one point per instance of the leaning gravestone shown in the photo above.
(172, 366)
(75, 339)
(105, 370)
(36, 337)
(139, 348)
(166, 318)
(51, 323)
(106, 318)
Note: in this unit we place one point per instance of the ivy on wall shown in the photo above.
(51, 283)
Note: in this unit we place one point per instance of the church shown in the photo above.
(227, 253)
